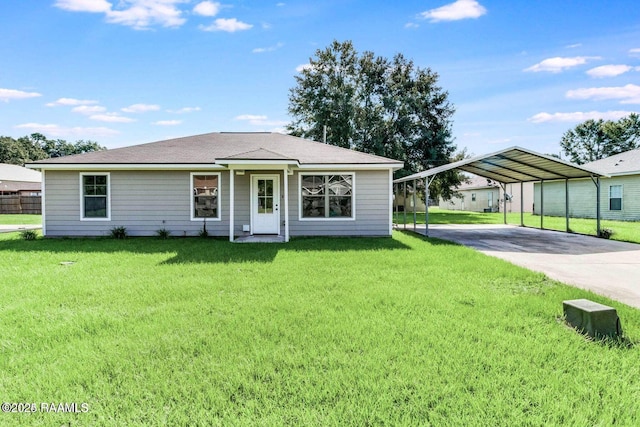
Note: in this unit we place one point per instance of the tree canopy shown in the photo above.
(387, 107)
(597, 139)
(37, 147)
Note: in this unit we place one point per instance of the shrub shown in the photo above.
(606, 233)
(163, 233)
(29, 234)
(119, 232)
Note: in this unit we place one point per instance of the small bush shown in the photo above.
(29, 234)
(119, 232)
(606, 233)
(163, 233)
(204, 232)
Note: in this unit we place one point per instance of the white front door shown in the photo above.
(265, 204)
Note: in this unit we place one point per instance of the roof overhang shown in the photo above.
(123, 166)
(511, 165)
(222, 164)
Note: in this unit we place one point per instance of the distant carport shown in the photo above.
(508, 166)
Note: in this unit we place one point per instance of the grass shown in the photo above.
(627, 231)
(389, 331)
(21, 219)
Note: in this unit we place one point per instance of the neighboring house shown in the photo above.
(619, 194)
(237, 184)
(16, 180)
(480, 194)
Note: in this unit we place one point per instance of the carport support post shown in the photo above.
(521, 204)
(415, 192)
(427, 184)
(504, 201)
(541, 204)
(404, 205)
(598, 206)
(566, 202)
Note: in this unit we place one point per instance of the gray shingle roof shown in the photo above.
(207, 148)
(18, 173)
(619, 164)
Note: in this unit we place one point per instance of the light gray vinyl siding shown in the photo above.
(146, 201)
(582, 198)
(141, 201)
(371, 205)
(466, 202)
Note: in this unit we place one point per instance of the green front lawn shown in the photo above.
(22, 219)
(319, 331)
(627, 231)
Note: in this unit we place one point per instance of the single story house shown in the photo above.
(20, 181)
(480, 194)
(237, 184)
(619, 191)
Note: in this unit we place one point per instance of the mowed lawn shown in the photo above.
(626, 231)
(20, 219)
(387, 331)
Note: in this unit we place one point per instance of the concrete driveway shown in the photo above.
(11, 228)
(606, 267)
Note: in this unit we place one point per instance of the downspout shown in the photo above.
(596, 181)
(231, 206)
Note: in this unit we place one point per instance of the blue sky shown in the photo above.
(124, 72)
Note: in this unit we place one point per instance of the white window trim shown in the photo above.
(621, 198)
(323, 219)
(218, 199)
(82, 175)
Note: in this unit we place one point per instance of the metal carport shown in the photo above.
(508, 166)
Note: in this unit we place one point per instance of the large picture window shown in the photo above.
(615, 197)
(95, 204)
(327, 196)
(205, 199)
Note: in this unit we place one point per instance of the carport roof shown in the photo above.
(515, 164)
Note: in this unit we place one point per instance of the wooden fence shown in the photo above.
(16, 204)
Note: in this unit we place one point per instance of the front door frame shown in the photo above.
(276, 201)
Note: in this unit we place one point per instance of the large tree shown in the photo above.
(597, 139)
(37, 147)
(387, 107)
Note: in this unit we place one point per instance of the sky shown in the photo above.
(124, 72)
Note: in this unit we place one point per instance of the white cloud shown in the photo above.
(267, 49)
(578, 116)
(88, 109)
(280, 4)
(58, 131)
(608, 70)
(300, 68)
(628, 94)
(558, 64)
(460, 9)
(184, 110)
(7, 95)
(259, 120)
(139, 14)
(634, 51)
(573, 46)
(94, 6)
(111, 118)
(229, 25)
(207, 8)
(411, 25)
(167, 122)
(140, 108)
(70, 102)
